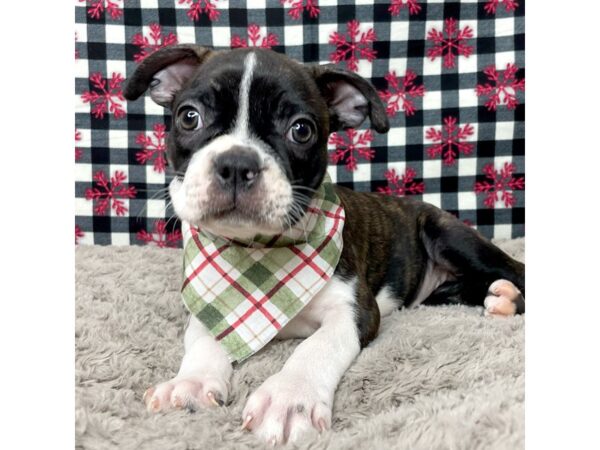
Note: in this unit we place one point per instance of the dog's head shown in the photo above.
(248, 141)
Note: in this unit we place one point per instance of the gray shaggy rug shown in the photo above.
(435, 378)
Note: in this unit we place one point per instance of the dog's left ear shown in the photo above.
(349, 97)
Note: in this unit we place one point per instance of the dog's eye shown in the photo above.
(301, 132)
(189, 119)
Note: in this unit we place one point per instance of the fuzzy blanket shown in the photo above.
(435, 378)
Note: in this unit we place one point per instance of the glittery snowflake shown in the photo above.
(153, 147)
(353, 46)
(255, 39)
(297, 6)
(400, 94)
(504, 87)
(402, 185)
(97, 7)
(109, 193)
(199, 7)
(106, 97)
(160, 236)
(450, 141)
(78, 151)
(397, 5)
(450, 43)
(149, 44)
(350, 145)
(499, 185)
(78, 234)
(492, 5)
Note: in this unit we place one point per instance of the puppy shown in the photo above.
(248, 145)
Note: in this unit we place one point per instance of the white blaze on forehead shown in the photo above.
(241, 122)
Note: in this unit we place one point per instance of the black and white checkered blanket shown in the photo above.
(450, 72)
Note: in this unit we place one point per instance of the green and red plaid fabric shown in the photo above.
(245, 292)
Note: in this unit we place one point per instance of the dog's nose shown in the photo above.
(237, 169)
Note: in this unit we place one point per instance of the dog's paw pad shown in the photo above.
(186, 393)
(503, 299)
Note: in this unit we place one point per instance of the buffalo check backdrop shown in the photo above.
(451, 74)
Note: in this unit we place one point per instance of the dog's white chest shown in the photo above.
(335, 293)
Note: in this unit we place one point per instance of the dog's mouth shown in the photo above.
(261, 211)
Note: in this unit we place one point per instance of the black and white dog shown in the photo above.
(267, 118)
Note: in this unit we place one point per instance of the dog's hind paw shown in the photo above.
(503, 299)
(189, 392)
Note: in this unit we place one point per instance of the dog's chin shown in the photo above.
(237, 226)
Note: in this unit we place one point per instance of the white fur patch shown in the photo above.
(298, 399)
(203, 378)
(336, 294)
(434, 277)
(241, 122)
(386, 301)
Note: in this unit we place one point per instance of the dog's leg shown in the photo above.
(203, 378)
(298, 399)
(484, 273)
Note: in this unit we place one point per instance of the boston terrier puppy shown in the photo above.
(248, 146)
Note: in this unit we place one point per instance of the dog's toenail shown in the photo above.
(154, 405)
(147, 395)
(214, 399)
(322, 425)
(247, 420)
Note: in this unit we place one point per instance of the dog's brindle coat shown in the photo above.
(397, 251)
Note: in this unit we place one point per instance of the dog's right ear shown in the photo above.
(165, 72)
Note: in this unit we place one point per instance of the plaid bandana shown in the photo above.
(245, 292)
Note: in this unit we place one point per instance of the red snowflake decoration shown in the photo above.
(499, 182)
(153, 147)
(402, 185)
(492, 5)
(449, 139)
(397, 5)
(78, 151)
(450, 43)
(297, 6)
(352, 144)
(351, 47)
(97, 7)
(107, 98)
(505, 87)
(160, 236)
(254, 36)
(156, 41)
(78, 234)
(110, 191)
(199, 7)
(398, 96)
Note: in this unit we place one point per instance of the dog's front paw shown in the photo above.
(287, 408)
(190, 392)
(503, 299)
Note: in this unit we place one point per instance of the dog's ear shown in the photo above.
(165, 72)
(349, 97)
